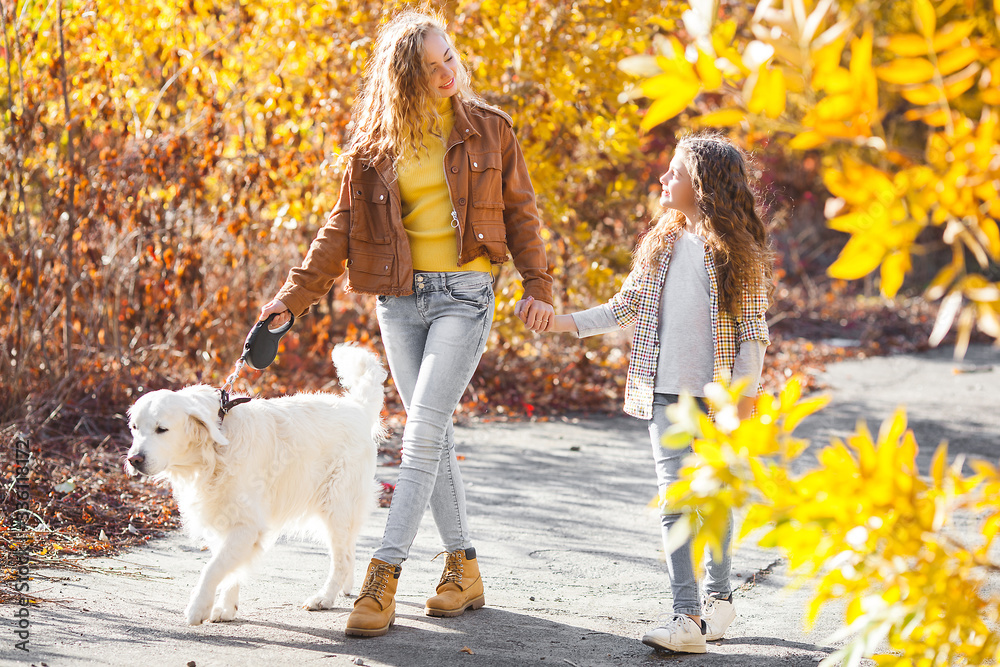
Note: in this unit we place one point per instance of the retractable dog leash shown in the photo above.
(259, 350)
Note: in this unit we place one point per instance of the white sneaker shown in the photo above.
(677, 632)
(717, 615)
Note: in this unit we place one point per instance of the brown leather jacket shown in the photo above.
(494, 211)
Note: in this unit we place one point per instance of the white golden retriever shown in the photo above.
(296, 463)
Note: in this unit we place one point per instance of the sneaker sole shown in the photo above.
(679, 648)
(451, 613)
(370, 632)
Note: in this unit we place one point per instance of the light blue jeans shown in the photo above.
(680, 564)
(433, 340)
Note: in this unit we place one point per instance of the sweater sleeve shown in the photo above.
(596, 320)
(749, 364)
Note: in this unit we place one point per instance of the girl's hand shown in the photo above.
(275, 306)
(536, 315)
(744, 407)
(557, 323)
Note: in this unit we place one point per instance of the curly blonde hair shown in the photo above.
(736, 234)
(396, 101)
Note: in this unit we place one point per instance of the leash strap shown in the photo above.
(230, 403)
(226, 403)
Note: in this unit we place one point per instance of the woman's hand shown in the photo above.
(744, 407)
(546, 316)
(275, 306)
(536, 315)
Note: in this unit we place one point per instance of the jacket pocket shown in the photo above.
(486, 185)
(369, 211)
(489, 231)
(369, 269)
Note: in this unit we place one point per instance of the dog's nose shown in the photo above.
(138, 462)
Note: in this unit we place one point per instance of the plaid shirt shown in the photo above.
(639, 301)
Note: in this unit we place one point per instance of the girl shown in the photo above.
(698, 291)
(436, 190)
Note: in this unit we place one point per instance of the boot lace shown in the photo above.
(454, 567)
(376, 581)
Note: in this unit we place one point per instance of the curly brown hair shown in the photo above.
(736, 233)
(396, 102)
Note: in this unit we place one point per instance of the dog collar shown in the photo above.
(229, 403)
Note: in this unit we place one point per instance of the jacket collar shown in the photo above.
(463, 128)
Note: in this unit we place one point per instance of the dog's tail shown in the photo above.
(362, 375)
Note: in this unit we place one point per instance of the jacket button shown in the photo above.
(358, 193)
(461, 202)
(480, 236)
(475, 164)
(381, 197)
(454, 170)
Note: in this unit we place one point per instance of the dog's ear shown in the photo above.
(203, 407)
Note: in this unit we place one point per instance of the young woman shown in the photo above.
(697, 293)
(436, 191)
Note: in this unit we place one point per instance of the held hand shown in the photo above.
(744, 408)
(536, 315)
(275, 306)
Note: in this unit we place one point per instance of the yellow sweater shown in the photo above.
(427, 209)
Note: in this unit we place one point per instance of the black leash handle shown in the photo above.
(261, 346)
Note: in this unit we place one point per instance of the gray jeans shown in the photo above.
(433, 340)
(680, 564)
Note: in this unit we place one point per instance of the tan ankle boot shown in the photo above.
(460, 587)
(375, 608)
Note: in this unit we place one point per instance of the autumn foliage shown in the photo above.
(898, 100)
(863, 521)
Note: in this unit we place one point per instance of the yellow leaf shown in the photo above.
(953, 34)
(808, 140)
(894, 268)
(941, 282)
(910, 44)
(953, 60)
(991, 96)
(768, 94)
(837, 107)
(924, 17)
(860, 256)
(666, 108)
(661, 85)
(861, 56)
(991, 231)
(825, 61)
(923, 96)
(709, 74)
(775, 103)
(906, 70)
(934, 117)
(721, 118)
(939, 463)
(802, 410)
(837, 81)
(854, 222)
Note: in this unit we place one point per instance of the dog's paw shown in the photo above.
(320, 601)
(223, 613)
(198, 612)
